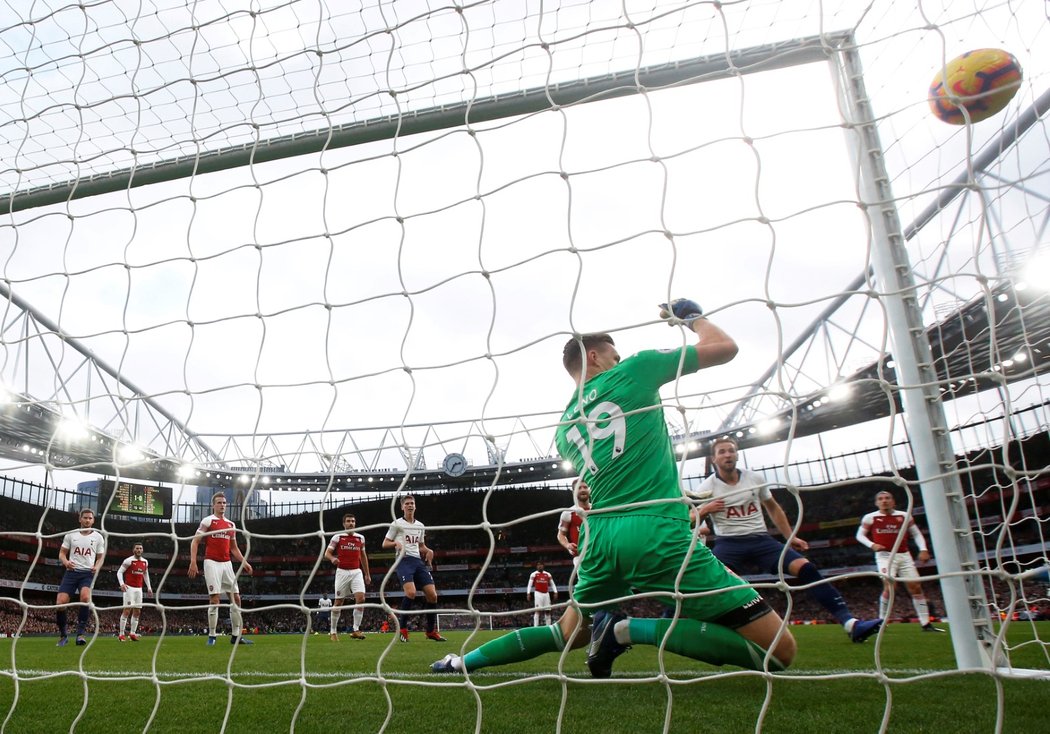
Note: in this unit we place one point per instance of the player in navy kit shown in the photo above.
(413, 567)
(742, 540)
(81, 554)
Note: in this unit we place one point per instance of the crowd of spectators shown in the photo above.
(512, 531)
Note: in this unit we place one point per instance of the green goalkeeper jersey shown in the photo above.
(615, 435)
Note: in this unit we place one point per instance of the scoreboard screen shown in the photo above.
(141, 500)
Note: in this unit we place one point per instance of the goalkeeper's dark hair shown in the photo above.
(572, 354)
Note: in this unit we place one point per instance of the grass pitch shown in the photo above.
(310, 684)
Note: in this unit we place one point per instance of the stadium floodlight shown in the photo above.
(186, 471)
(129, 455)
(1037, 272)
(840, 392)
(768, 426)
(72, 429)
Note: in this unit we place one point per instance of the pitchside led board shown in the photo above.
(142, 500)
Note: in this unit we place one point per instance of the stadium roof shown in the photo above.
(988, 342)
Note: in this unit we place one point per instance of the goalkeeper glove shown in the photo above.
(681, 309)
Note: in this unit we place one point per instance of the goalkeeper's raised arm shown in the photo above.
(714, 346)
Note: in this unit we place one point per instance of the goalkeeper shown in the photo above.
(637, 534)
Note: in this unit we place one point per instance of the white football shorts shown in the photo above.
(133, 597)
(348, 582)
(903, 566)
(219, 577)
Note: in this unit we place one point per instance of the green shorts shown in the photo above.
(626, 554)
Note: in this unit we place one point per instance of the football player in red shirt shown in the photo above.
(220, 545)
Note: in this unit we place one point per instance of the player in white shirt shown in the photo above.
(541, 585)
(879, 531)
(81, 554)
(132, 575)
(324, 613)
(406, 536)
(742, 540)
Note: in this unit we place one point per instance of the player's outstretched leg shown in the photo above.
(828, 597)
(705, 641)
(513, 647)
(451, 663)
(862, 629)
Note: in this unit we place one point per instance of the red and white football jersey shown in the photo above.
(134, 573)
(217, 545)
(348, 547)
(541, 581)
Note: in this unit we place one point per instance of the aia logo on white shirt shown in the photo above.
(737, 511)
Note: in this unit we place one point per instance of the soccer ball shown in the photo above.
(981, 82)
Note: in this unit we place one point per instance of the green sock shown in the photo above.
(704, 641)
(513, 647)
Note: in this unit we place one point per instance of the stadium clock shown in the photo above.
(455, 465)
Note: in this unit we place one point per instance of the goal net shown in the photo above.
(316, 255)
